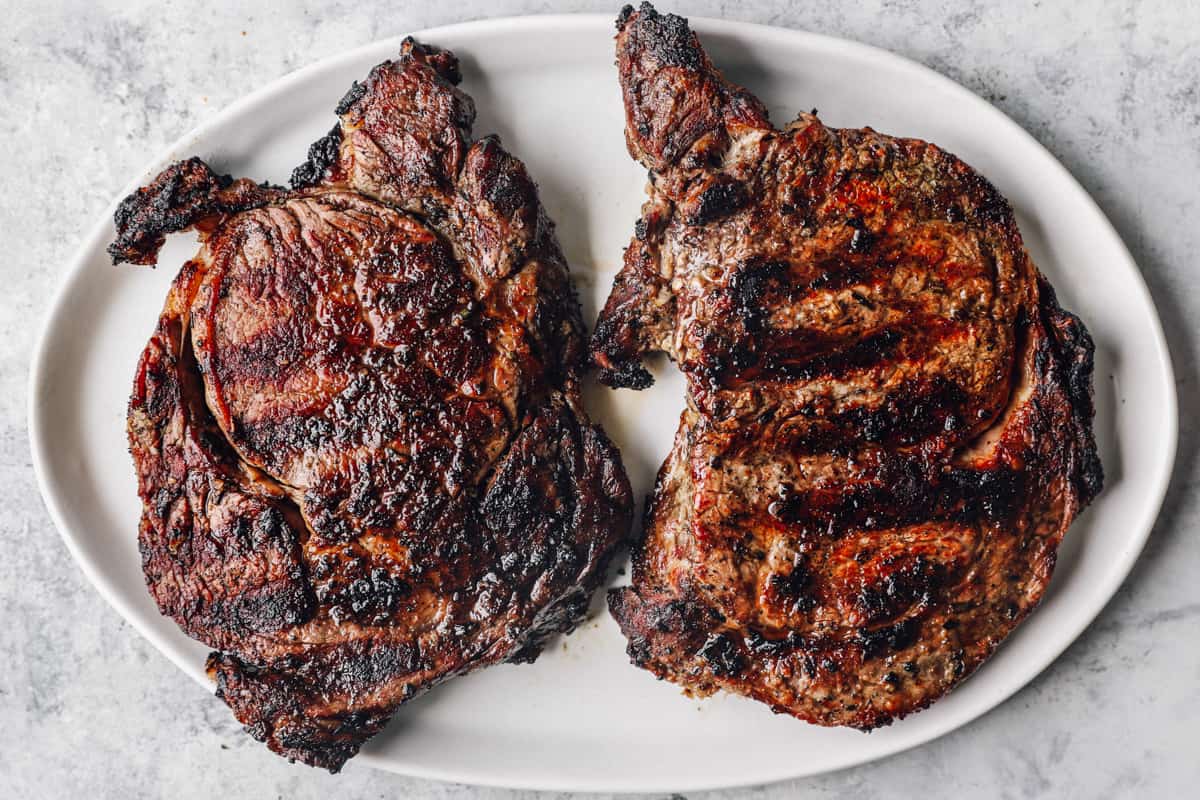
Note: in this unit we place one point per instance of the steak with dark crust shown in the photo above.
(889, 417)
(361, 448)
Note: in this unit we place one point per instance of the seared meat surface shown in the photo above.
(360, 443)
(889, 417)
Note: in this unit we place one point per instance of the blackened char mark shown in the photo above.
(623, 332)
(987, 204)
(749, 286)
(641, 229)
(739, 361)
(928, 408)
(276, 599)
(718, 200)
(627, 375)
(322, 155)
(795, 590)
(351, 592)
(623, 17)
(902, 491)
(993, 495)
(668, 36)
(897, 636)
(863, 353)
(182, 195)
(901, 586)
(723, 656)
(561, 617)
(352, 96)
(960, 194)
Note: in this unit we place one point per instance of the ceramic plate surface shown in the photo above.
(582, 718)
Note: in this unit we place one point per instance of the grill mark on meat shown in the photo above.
(899, 494)
(791, 319)
(361, 448)
(889, 420)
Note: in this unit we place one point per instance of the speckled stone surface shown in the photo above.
(89, 91)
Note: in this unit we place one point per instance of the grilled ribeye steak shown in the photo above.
(360, 443)
(888, 422)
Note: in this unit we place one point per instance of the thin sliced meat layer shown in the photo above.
(888, 428)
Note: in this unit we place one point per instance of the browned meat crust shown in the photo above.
(361, 449)
(889, 421)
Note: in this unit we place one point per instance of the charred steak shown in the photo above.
(363, 458)
(888, 423)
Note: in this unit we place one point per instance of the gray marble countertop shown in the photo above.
(90, 90)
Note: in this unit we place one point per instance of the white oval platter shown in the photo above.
(582, 718)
